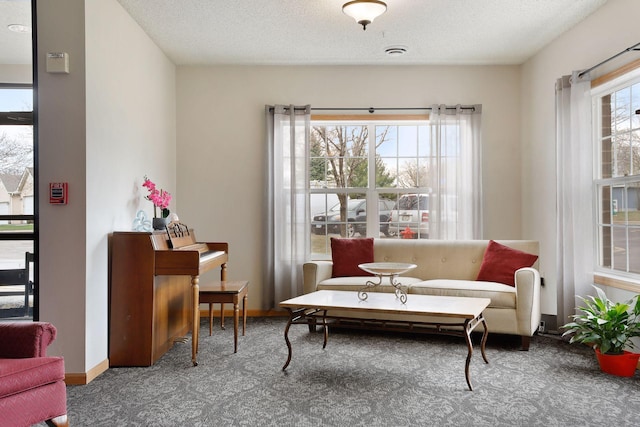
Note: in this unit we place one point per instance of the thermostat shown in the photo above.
(58, 62)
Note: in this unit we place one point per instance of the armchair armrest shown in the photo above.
(528, 300)
(25, 339)
(315, 272)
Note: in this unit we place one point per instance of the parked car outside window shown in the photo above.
(329, 222)
(412, 211)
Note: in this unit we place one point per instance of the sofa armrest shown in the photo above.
(528, 300)
(315, 272)
(25, 339)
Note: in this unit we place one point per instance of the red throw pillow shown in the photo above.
(348, 253)
(500, 263)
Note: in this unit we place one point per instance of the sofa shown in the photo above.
(32, 387)
(463, 268)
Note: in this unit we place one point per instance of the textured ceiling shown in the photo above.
(317, 32)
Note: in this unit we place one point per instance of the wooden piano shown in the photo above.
(154, 292)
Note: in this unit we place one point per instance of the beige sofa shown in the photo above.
(447, 267)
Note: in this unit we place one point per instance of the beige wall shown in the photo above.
(608, 31)
(115, 123)
(20, 73)
(221, 127)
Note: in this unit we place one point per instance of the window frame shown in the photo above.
(609, 276)
(373, 192)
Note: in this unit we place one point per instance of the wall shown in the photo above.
(221, 137)
(606, 32)
(19, 73)
(116, 124)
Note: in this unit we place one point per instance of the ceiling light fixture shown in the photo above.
(19, 28)
(395, 50)
(364, 11)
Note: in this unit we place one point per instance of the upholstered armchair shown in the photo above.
(32, 387)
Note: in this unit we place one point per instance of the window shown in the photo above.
(404, 178)
(17, 199)
(617, 178)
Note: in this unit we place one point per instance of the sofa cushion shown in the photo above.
(500, 263)
(347, 254)
(356, 283)
(18, 375)
(501, 295)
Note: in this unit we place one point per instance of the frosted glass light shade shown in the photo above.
(364, 11)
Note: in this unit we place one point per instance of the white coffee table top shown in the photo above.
(386, 268)
(383, 302)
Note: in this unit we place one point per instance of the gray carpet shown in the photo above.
(360, 379)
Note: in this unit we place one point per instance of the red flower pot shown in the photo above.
(622, 365)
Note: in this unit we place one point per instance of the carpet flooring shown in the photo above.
(360, 379)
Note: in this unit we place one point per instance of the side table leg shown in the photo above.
(244, 313)
(326, 328)
(195, 327)
(286, 338)
(221, 315)
(236, 312)
(485, 334)
(467, 336)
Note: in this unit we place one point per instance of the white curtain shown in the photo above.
(574, 145)
(288, 218)
(456, 173)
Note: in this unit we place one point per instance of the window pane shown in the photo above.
(635, 105)
(345, 153)
(634, 245)
(635, 153)
(386, 172)
(16, 278)
(621, 114)
(16, 99)
(407, 141)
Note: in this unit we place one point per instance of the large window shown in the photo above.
(17, 200)
(390, 179)
(617, 182)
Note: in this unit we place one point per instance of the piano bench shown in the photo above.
(226, 292)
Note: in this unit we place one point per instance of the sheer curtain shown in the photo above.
(288, 218)
(575, 193)
(455, 173)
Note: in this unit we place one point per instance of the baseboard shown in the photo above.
(86, 378)
(250, 313)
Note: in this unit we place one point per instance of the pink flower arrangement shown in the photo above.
(159, 198)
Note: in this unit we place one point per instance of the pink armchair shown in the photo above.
(32, 387)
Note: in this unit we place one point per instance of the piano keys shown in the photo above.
(154, 292)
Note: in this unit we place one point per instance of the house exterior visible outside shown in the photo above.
(16, 195)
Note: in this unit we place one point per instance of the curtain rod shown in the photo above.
(373, 110)
(629, 49)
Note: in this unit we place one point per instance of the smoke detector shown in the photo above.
(395, 50)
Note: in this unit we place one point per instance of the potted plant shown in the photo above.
(160, 199)
(608, 327)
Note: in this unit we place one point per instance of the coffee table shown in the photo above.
(465, 314)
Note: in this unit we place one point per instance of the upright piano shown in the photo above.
(154, 292)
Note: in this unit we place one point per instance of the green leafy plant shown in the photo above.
(604, 324)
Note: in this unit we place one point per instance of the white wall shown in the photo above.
(130, 132)
(221, 142)
(609, 30)
(61, 145)
(126, 97)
